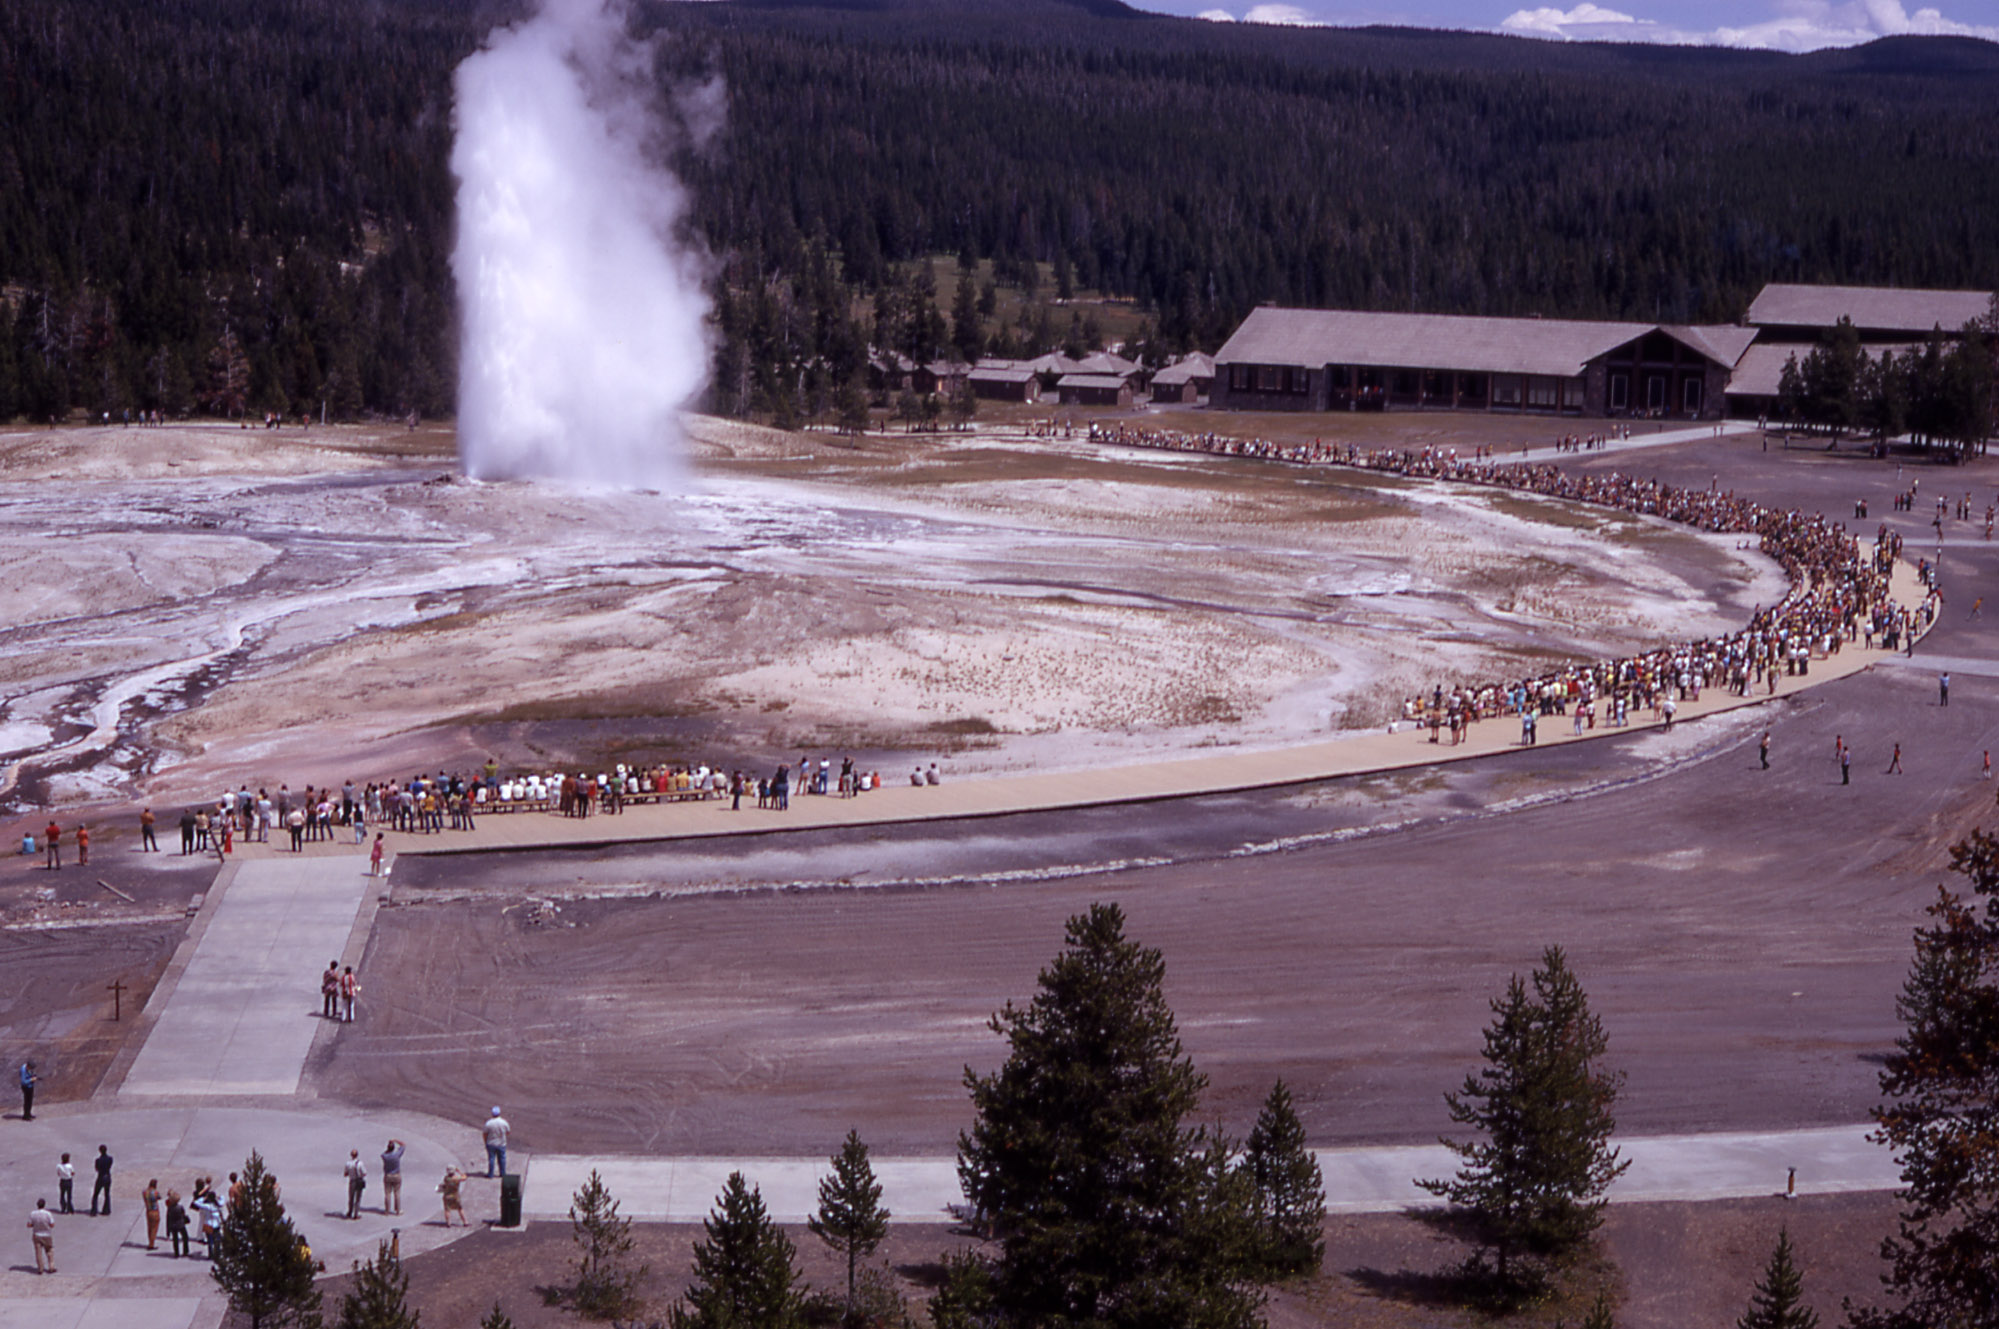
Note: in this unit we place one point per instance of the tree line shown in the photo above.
(1942, 392)
(225, 206)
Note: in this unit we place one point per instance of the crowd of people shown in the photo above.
(1838, 590)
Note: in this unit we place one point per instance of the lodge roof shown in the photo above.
(1761, 370)
(1187, 367)
(1108, 382)
(1880, 308)
(1552, 346)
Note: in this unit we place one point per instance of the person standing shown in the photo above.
(83, 832)
(1763, 749)
(1895, 762)
(329, 991)
(103, 1187)
(150, 1197)
(187, 830)
(392, 1178)
(357, 1182)
(176, 1225)
(454, 1201)
(496, 1131)
(1846, 765)
(350, 988)
(375, 857)
(66, 1186)
(52, 839)
(42, 1227)
(1943, 688)
(148, 844)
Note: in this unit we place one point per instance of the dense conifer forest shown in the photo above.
(243, 205)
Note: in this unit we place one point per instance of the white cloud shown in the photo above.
(1800, 25)
(1289, 16)
(1216, 16)
(1547, 22)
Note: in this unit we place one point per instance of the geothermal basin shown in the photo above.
(195, 607)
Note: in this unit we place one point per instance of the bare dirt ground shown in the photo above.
(200, 607)
(55, 1002)
(1670, 1267)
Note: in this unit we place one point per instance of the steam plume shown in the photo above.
(583, 318)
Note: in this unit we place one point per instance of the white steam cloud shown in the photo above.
(584, 320)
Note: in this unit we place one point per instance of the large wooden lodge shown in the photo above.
(1350, 360)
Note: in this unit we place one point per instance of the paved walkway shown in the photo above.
(241, 1017)
(1832, 1160)
(1215, 771)
(104, 1263)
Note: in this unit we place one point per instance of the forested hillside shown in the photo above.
(231, 205)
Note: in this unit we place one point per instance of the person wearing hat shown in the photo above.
(496, 1143)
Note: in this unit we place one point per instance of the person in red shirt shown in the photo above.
(83, 846)
(52, 837)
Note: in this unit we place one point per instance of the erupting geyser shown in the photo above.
(583, 316)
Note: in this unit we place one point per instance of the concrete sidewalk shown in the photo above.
(1829, 1160)
(1216, 771)
(243, 1014)
(104, 1262)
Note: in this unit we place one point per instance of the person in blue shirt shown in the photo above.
(28, 1082)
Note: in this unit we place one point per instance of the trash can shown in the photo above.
(510, 1199)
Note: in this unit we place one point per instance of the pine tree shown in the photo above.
(1289, 1194)
(851, 1219)
(1109, 1210)
(379, 1297)
(606, 1281)
(1534, 1185)
(743, 1272)
(1599, 1316)
(1778, 1302)
(496, 1319)
(1942, 1117)
(260, 1261)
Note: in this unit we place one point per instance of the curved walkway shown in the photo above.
(1217, 771)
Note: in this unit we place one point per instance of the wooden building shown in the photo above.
(1349, 360)
(1186, 381)
(1005, 380)
(1094, 390)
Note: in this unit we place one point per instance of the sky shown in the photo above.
(1783, 25)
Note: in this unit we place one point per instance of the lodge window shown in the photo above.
(1690, 396)
(1620, 391)
(1298, 380)
(1655, 393)
(1404, 382)
(1572, 393)
(1506, 390)
(1239, 378)
(1541, 393)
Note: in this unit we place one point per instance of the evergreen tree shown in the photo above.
(606, 1281)
(743, 1271)
(380, 1296)
(964, 1297)
(968, 334)
(260, 1261)
(1942, 1117)
(1534, 1185)
(1778, 1302)
(1600, 1316)
(1289, 1195)
(1109, 1210)
(496, 1319)
(851, 1219)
